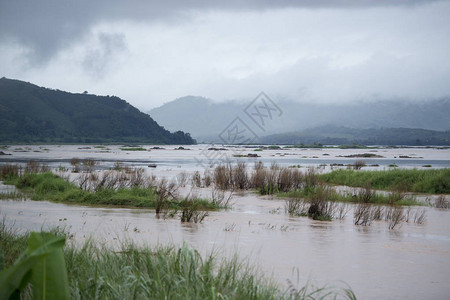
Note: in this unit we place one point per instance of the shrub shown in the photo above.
(321, 208)
(8, 171)
(191, 210)
(196, 179)
(440, 202)
(362, 215)
(394, 216)
(296, 206)
(240, 177)
(358, 164)
(222, 177)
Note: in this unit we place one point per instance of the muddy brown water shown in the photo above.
(410, 262)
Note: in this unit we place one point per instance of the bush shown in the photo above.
(321, 207)
(9, 171)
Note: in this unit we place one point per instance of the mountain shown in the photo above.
(206, 119)
(201, 115)
(333, 135)
(33, 114)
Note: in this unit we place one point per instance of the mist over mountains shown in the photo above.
(206, 119)
(33, 114)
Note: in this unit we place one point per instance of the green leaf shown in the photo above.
(49, 274)
(18, 275)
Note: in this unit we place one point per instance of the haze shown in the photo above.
(150, 53)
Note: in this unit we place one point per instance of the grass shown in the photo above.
(435, 181)
(133, 149)
(290, 182)
(333, 196)
(11, 195)
(98, 272)
(48, 186)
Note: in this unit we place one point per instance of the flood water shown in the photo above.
(410, 262)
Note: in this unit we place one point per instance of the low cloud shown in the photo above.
(152, 53)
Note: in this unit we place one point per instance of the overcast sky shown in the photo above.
(150, 52)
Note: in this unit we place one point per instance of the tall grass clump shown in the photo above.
(191, 210)
(33, 167)
(363, 214)
(441, 202)
(258, 176)
(240, 176)
(394, 216)
(296, 206)
(321, 207)
(358, 164)
(161, 273)
(221, 198)
(223, 177)
(8, 171)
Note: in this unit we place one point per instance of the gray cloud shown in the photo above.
(99, 57)
(46, 26)
(150, 53)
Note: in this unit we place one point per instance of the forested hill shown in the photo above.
(33, 114)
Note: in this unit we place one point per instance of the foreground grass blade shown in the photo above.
(16, 276)
(49, 275)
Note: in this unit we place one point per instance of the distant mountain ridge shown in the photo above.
(205, 119)
(33, 114)
(333, 135)
(201, 115)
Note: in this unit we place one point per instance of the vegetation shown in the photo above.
(39, 273)
(292, 183)
(125, 187)
(434, 181)
(306, 195)
(356, 196)
(133, 149)
(32, 114)
(48, 186)
(441, 202)
(98, 272)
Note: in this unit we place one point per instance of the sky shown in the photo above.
(152, 52)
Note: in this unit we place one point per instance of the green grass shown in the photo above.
(435, 181)
(48, 186)
(130, 272)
